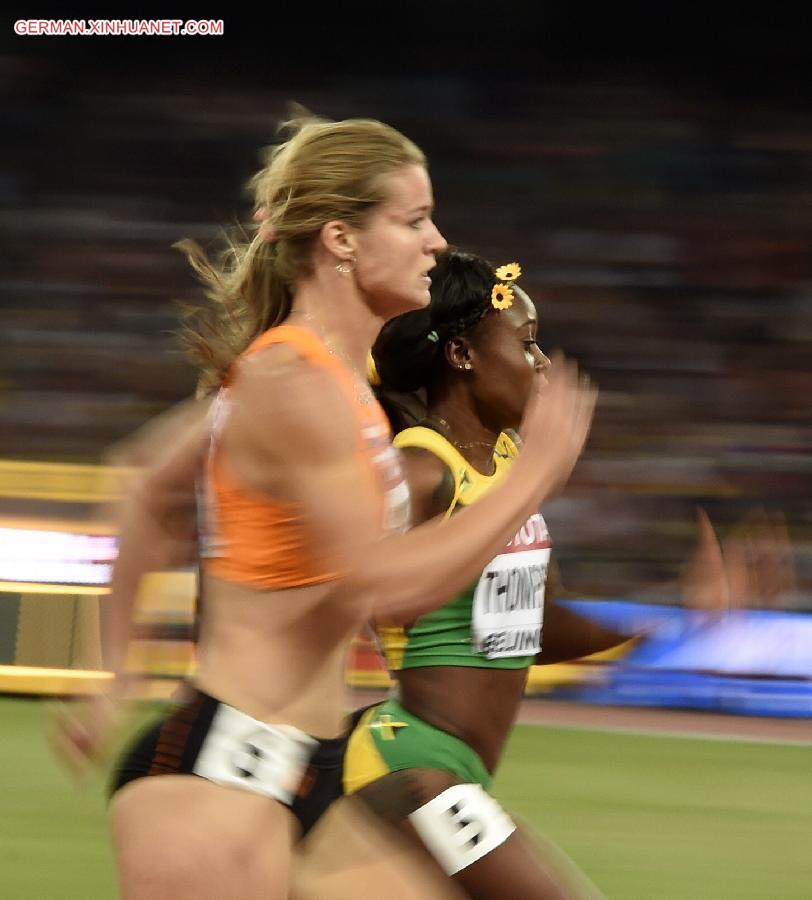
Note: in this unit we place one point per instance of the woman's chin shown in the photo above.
(421, 299)
(397, 306)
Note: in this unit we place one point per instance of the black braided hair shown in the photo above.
(409, 351)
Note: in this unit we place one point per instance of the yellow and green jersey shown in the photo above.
(497, 621)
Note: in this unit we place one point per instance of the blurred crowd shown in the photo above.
(666, 237)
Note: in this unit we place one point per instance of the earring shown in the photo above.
(468, 366)
(346, 266)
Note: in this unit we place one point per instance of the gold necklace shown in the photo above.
(467, 446)
(363, 394)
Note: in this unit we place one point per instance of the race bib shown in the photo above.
(243, 752)
(461, 825)
(508, 606)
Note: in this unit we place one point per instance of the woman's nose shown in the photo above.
(437, 243)
(542, 361)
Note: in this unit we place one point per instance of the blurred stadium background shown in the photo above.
(659, 201)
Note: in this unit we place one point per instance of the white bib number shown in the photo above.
(508, 607)
(243, 752)
(462, 825)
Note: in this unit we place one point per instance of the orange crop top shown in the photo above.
(250, 538)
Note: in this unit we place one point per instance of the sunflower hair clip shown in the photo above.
(502, 296)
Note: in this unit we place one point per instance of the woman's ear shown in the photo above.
(458, 353)
(338, 238)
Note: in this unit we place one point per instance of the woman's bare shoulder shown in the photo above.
(281, 400)
(431, 483)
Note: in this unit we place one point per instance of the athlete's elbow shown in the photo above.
(409, 600)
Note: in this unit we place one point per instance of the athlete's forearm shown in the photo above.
(137, 535)
(568, 635)
(411, 574)
(155, 527)
(146, 544)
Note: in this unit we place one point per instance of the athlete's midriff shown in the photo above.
(479, 706)
(278, 655)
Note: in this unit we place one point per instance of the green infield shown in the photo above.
(648, 817)
(663, 818)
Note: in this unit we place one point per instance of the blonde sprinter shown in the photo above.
(304, 510)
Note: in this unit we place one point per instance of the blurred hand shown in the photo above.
(753, 568)
(556, 422)
(759, 563)
(705, 583)
(83, 730)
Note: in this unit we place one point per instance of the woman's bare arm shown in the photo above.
(156, 527)
(306, 451)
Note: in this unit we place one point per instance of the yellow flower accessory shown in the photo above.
(501, 297)
(510, 272)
